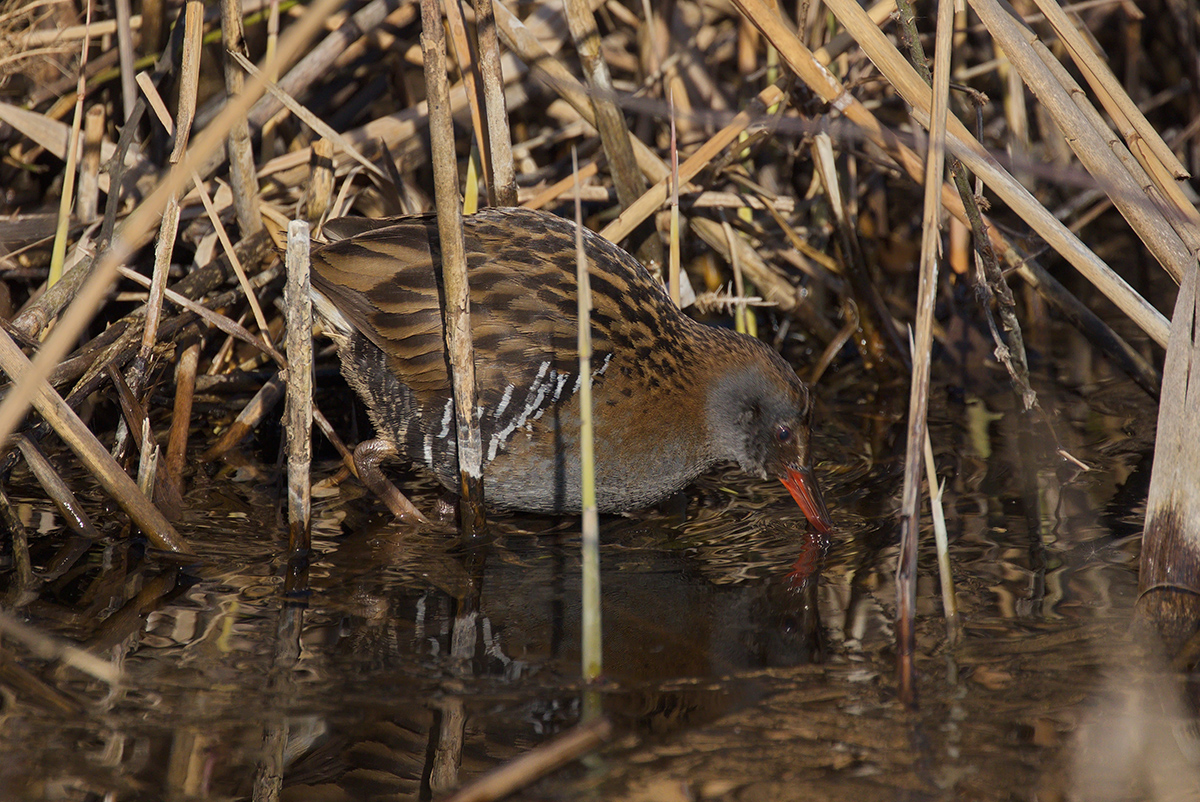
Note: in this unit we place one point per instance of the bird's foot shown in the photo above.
(367, 457)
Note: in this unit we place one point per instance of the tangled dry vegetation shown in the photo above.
(801, 185)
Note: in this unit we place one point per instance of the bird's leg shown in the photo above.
(367, 456)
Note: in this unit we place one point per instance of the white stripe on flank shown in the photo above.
(446, 415)
(562, 380)
(504, 399)
(536, 403)
(534, 397)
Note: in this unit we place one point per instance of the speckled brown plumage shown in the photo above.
(672, 397)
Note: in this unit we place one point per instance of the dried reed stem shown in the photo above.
(1136, 129)
(88, 203)
(256, 408)
(57, 489)
(593, 649)
(464, 54)
(503, 181)
(457, 309)
(906, 570)
(126, 55)
(188, 363)
(169, 226)
(243, 179)
(297, 300)
(59, 251)
(673, 272)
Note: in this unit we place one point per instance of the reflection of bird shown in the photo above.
(672, 397)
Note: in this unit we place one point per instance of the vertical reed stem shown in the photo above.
(592, 641)
(454, 271)
(243, 178)
(297, 298)
(906, 569)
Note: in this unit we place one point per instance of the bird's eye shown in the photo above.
(783, 433)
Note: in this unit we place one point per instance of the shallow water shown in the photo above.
(415, 663)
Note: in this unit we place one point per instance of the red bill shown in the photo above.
(801, 483)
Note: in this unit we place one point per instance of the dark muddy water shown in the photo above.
(415, 664)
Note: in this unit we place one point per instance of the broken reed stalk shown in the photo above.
(24, 586)
(739, 285)
(502, 183)
(906, 570)
(72, 322)
(87, 204)
(561, 187)
(318, 194)
(307, 117)
(189, 82)
(271, 68)
(188, 362)
(180, 129)
(243, 178)
(297, 300)
(457, 310)
(235, 263)
(1169, 572)
(990, 284)
(263, 402)
(215, 319)
(592, 644)
(1162, 191)
(875, 325)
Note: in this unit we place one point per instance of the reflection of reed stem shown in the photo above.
(536, 763)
